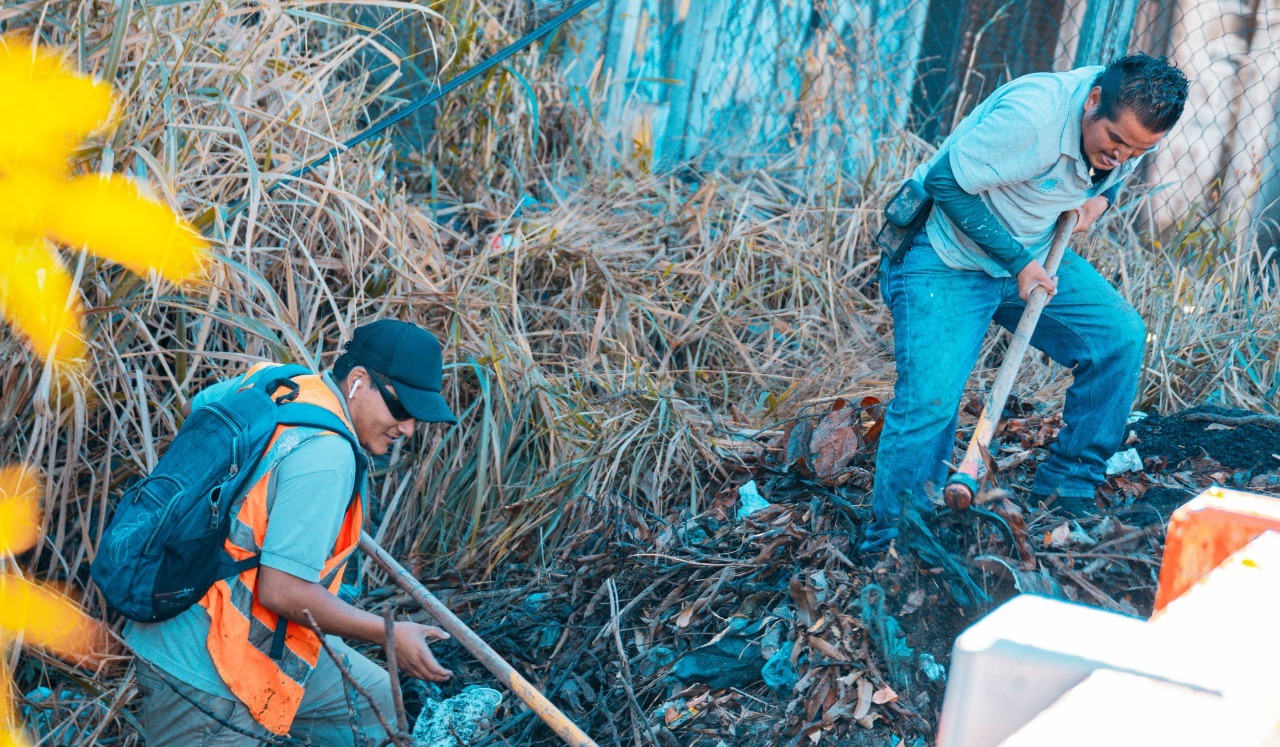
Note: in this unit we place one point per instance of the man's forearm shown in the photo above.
(969, 214)
(288, 596)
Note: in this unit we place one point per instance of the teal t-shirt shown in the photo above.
(306, 503)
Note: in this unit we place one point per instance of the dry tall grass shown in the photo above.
(611, 332)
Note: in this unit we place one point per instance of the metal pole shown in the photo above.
(537, 702)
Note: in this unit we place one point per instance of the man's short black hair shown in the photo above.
(343, 366)
(347, 363)
(1154, 90)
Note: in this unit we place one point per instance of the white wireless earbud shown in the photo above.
(352, 392)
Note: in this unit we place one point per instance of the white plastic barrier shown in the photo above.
(1043, 672)
(1020, 658)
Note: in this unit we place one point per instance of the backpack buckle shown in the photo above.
(289, 396)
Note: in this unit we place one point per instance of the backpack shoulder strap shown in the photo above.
(304, 415)
(281, 371)
(271, 378)
(313, 416)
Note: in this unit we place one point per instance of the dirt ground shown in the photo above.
(769, 629)
(1247, 449)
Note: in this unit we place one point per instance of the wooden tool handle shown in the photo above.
(963, 483)
(537, 702)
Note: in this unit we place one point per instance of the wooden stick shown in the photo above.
(537, 702)
(963, 483)
(1269, 421)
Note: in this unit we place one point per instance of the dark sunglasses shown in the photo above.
(394, 405)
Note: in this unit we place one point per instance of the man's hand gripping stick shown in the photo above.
(962, 486)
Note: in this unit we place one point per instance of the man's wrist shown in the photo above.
(1018, 263)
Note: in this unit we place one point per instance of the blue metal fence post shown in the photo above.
(683, 75)
(624, 23)
(699, 40)
(1104, 33)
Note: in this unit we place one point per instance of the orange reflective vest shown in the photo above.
(264, 659)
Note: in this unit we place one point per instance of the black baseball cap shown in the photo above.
(410, 356)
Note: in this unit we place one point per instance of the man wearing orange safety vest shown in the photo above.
(243, 664)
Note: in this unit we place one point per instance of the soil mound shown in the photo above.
(1210, 432)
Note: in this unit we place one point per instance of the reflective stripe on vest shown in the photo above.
(243, 633)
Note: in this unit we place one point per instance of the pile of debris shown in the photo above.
(754, 622)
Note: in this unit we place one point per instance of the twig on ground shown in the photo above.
(1267, 421)
(637, 713)
(393, 671)
(609, 626)
(346, 676)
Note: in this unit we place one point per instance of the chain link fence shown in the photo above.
(827, 82)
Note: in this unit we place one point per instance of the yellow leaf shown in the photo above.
(10, 732)
(44, 617)
(19, 510)
(108, 215)
(40, 86)
(111, 218)
(24, 196)
(36, 297)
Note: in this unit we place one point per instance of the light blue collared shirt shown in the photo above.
(1020, 152)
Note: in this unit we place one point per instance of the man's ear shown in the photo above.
(1094, 99)
(353, 376)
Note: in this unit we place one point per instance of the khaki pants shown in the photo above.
(324, 716)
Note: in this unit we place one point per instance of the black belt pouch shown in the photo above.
(904, 216)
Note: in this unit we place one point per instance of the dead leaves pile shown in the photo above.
(605, 635)
(656, 630)
(835, 448)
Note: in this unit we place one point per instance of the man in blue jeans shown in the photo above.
(1039, 146)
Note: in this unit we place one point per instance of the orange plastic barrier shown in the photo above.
(1206, 531)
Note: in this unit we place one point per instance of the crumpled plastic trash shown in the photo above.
(1124, 461)
(658, 657)
(502, 242)
(729, 662)
(1135, 416)
(887, 635)
(732, 661)
(931, 668)
(456, 721)
(750, 500)
(692, 534)
(674, 713)
(779, 673)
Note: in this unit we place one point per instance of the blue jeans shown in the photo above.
(940, 316)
